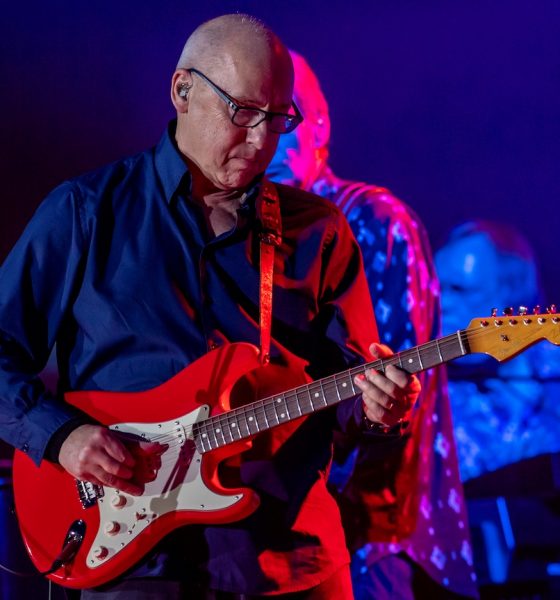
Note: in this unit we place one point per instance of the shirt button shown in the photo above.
(212, 345)
(25, 448)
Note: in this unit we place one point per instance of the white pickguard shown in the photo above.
(178, 486)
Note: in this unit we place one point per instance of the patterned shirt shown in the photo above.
(409, 499)
(505, 413)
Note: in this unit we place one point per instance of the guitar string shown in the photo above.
(291, 398)
(259, 407)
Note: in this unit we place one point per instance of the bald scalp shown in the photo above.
(232, 37)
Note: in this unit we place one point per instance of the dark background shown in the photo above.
(451, 104)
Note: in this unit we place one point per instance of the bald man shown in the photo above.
(403, 510)
(503, 412)
(141, 268)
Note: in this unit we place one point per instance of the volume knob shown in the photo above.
(118, 501)
(100, 552)
(112, 528)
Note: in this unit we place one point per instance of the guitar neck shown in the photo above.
(256, 417)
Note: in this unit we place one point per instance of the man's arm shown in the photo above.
(37, 283)
(386, 399)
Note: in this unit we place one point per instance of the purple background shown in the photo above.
(452, 105)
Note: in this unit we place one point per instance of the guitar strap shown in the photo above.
(268, 213)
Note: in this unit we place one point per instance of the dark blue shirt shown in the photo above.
(118, 268)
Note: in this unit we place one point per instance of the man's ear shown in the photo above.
(181, 83)
(321, 130)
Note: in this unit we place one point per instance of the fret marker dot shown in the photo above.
(316, 394)
(233, 425)
(218, 430)
(250, 418)
(279, 400)
(282, 415)
(204, 435)
(344, 384)
(410, 360)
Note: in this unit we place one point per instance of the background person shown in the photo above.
(403, 508)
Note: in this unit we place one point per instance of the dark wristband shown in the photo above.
(59, 436)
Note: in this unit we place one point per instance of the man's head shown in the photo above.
(230, 58)
(484, 264)
(302, 154)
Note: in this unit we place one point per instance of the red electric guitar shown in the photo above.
(83, 535)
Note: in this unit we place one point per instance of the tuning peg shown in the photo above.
(523, 310)
(508, 311)
(537, 309)
(494, 312)
(551, 309)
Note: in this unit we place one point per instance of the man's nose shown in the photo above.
(258, 135)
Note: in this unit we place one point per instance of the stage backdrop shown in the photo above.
(452, 105)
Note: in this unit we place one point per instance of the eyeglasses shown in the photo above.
(244, 116)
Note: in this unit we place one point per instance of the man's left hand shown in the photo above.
(388, 398)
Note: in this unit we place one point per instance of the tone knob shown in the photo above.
(100, 552)
(112, 528)
(118, 501)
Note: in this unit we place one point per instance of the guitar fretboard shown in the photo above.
(246, 421)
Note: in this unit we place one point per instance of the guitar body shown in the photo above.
(191, 415)
(119, 528)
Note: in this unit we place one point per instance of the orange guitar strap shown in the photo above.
(268, 213)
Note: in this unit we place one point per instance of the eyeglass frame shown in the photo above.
(267, 115)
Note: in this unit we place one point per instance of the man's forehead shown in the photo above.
(252, 80)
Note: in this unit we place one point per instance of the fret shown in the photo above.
(339, 399)
(233, 425)
(218, 430)
(323, 398)
(345, 385)
(260, 415)
(410, 361)
(209, 429)
(419, 357)
(281, 409)
(252, 423)
(202, 435)
(270, 413)
(292, 405)
(430, 355)
(297, 404)
(244, 430)
(316, 398)
(439, 352)
(330, 392)
(463, 351)
(308, 407)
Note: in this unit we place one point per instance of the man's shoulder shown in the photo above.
(93, 185)
(296, 200)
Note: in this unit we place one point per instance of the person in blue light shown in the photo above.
(403, 510)
(502, 412)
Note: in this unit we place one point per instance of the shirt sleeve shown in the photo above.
(345, 324)
(402, 282)
(38, 281)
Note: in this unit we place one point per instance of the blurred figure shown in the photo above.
(403, 508)
(503, 412)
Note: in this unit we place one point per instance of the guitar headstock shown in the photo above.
(505, 336)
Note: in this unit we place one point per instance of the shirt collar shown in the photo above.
(170, 166)
(174, 173)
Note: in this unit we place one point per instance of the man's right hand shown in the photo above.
(95, 453)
